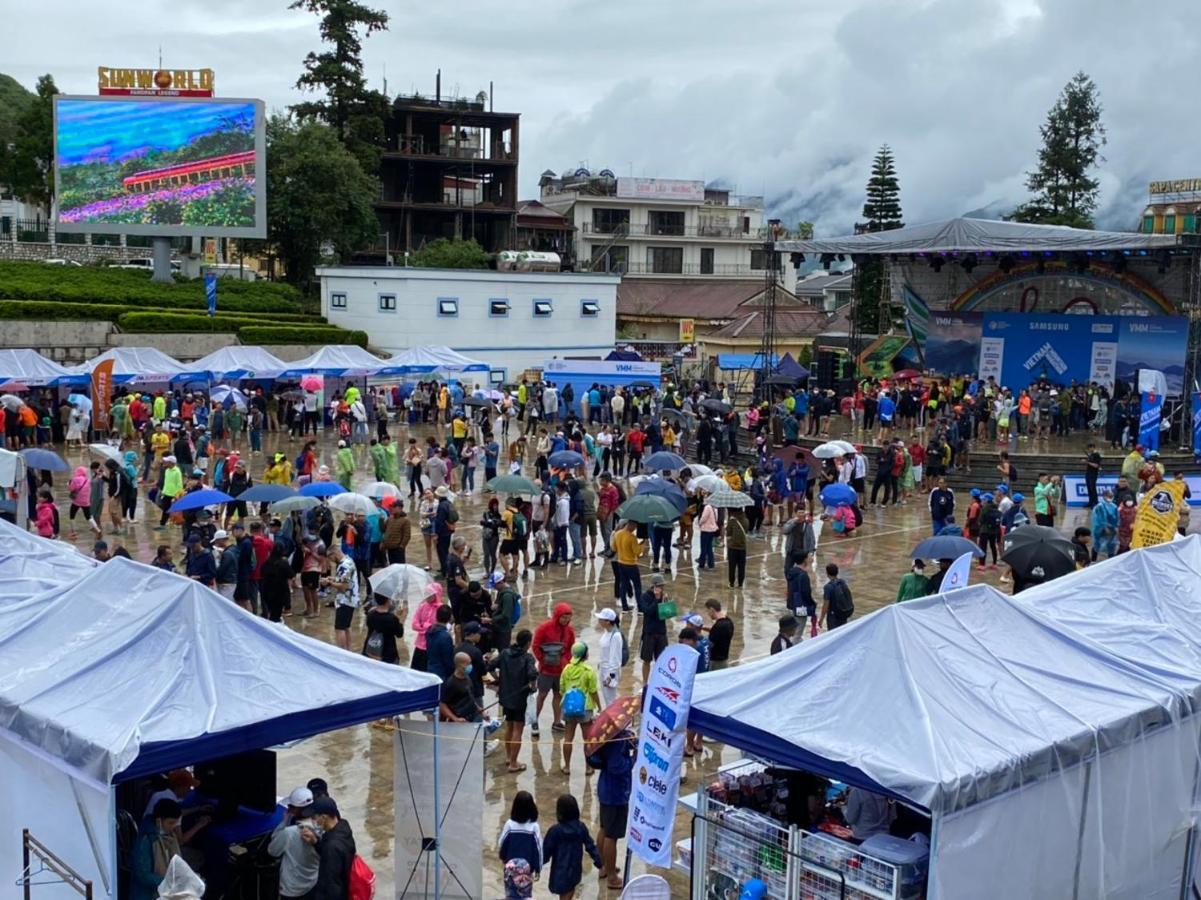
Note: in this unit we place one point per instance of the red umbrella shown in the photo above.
(907, 375)
(788, 454)
(612, 719)
(14, 386)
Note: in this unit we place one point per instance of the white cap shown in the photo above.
(300, 798)
(607, 614)
(219, 535)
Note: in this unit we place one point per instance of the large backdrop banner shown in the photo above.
(1019, 348)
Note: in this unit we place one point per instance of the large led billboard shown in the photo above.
(160, 166)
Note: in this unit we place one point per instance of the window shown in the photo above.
(589, 309)
(759, 260)
(665, 260)
(1148, 224)
(498, 307)
(615, 259)
(1169, 223)
(610, 221)
(666, 222)
(543, 309)
(1190, 223)
(337, 300)
(387, 303)
(448, 306)
(706, 260)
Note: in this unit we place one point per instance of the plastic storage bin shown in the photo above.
(911, 859)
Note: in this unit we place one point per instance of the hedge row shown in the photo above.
(86, 284)
(169, 321)
(49, 311)
(329, 334)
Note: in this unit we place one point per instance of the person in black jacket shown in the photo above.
(335, 848)
(518, 674)
(654, 629)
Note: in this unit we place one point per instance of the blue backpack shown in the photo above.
(574, 704)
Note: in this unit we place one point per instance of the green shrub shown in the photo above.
(87, 284)
(286, 334)
(169, 321)
(49, 311)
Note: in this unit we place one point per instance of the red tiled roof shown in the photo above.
(685, 298)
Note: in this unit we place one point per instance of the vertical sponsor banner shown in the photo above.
(660, 754)
(102, 394)
(459, 756)
(1104, 365)
(1197, 425)
(992, 358)
(1151, 411)
(957, 576)
(210, 292)
(1158, 514)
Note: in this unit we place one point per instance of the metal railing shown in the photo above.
(704, 230)
(722, 270)
(414, 145)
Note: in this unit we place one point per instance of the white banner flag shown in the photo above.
(661, 754)
(957, 575)
(460, 758)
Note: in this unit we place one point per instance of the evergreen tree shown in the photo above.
(27, 165)
(882, 208)
(355, 112)
(1065, 193)
(881, 212)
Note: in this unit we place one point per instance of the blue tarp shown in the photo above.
(730, 361)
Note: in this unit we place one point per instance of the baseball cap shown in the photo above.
(579, 649)
(324, 806)
(220, 535)
(695, 620)
(607, 615)
(300, 797)
(341, 443)
(169, 458)
(1019, 497)
(657, 580)
(1002, 489)
(473, 628)
(975, 492)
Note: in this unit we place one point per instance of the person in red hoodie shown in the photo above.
(262, 550)
(552, 649)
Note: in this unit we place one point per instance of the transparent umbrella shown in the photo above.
(401, 582)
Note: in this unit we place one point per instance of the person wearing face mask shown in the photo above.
(458, 702)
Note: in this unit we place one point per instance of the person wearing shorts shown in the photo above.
(615, 762)
(345, 582)
(310, 574)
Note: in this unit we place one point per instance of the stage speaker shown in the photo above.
(827, 369)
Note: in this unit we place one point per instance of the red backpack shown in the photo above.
(362, 880)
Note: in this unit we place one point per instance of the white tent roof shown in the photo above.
(432, 360)
(137, 365)
(130, 670)
(30, 565)
(950, 700)
(338, 360)
(238, 361)
(980, 235)
(29, 366)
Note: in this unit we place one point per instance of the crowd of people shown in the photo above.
(430, 440)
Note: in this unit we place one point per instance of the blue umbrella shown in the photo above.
(321, 489)
(566, 459)
(37, 458)
(267, 493)
(945, 546)
(839, 495)
(658, 487)
(664, 459)
(197, 499)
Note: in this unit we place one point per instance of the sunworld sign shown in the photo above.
(155, 82)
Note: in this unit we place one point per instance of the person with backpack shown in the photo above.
(506, 610)
(837, 603)
(514, 537)
(989, 529)
(517, 673)
(446, 518)
(553, 640)
(614, 653)
(581, 699)
(335, 850)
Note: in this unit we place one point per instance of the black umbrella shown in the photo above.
(1038, 553)
(714, 405)
(476, 401)
(674, 414)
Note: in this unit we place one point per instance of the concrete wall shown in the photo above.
(511, 342)
(81, 253)
(184, 347)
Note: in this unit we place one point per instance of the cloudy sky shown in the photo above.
(788, 99)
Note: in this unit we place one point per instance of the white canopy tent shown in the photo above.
(237, 361)
(1052, 763)
(439, 361)
(29, 367)
(339, 360)
(129, 671)
(137, 365)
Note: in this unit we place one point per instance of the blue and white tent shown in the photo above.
(29, 367)
(439, 361)
(337, 360)
(1053, 737)
(129, 671)
(237, 361)
(133, 365)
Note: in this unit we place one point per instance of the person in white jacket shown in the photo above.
(609, 662)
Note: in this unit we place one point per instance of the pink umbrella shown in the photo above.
(311, 383)
(907, 375)
(14, 386)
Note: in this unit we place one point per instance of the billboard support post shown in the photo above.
(162, 260)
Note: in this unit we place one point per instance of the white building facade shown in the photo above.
(662, 227)
(510, 320)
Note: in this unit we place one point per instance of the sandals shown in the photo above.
(520, 767)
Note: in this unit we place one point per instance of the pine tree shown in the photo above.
(882, 209)
(1064, 191)
(355, 112)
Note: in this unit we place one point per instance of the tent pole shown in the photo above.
(437, 813)
(1088, 779)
